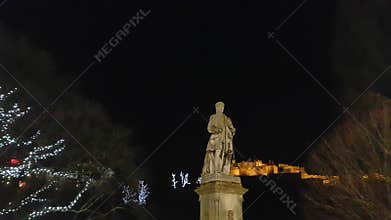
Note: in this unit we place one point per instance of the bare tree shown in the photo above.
(359, 152)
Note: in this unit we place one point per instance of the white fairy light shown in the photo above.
(199, 180)
(49, 209)
(29, 165)
(143, 193)
(139, 197)
(173, 180)
(184, 179)
(127, 194)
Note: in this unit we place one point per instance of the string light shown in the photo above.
(67, 208)
(29, 165)
(173, 180)
(184, 180)
(139, 197)
(143, 193)
(127, 194)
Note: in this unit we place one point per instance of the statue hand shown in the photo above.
(218, 130)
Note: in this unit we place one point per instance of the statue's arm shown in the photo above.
(211, 125)
(231, 126)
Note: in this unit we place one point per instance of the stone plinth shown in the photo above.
(221, 197)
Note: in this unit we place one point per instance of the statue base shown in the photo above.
(220, 197)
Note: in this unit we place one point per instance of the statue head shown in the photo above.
(219, 107)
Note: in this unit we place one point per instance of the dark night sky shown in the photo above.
(194, 53)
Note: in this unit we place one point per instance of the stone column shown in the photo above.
(221, 197)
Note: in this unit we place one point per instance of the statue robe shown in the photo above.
(220, 149)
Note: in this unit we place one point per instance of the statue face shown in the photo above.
(220, 108)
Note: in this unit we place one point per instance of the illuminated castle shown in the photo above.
(258, 168)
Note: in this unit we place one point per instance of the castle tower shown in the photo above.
(221, 197)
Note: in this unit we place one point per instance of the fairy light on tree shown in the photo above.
(18, 170)
(140, 197)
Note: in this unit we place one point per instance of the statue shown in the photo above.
(220, 194)
(219, 150)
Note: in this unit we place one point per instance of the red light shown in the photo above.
(22, 184)
(15, 162)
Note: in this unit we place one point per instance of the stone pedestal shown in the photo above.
(221, 197)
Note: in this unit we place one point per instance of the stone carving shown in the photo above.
(230, 215)
(219, 150)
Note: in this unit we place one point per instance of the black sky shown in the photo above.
(189, 54)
